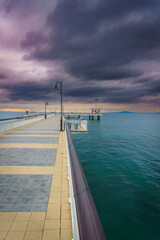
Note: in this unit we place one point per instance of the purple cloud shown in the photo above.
(98, 48)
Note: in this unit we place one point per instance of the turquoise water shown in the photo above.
(4, 114)
(120, 156)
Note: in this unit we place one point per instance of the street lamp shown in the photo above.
(56, 88)
(55, 111)
(46, 103)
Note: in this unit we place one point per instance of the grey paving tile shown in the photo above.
(40, 199)
(39, 207)
(25, 192)
(27, 157)
(26, 199)
(2, 196)
(21, 207)
(14, 191)
(6, 207)
(11, 198)
(20, 132)
(3, 190)
(28, 139)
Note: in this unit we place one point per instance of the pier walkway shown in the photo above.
(34, 189)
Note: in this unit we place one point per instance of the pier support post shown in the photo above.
(79, 116)
(89, 117)
(92, 117)
(68, 116)
(98, 117)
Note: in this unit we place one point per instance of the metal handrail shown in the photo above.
(89, 224)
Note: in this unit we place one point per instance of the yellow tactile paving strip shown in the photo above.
(27, 145)
(58, 218)
(30, 135)
(26, 170)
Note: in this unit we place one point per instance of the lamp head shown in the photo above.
(56, 88)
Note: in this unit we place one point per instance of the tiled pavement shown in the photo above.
(30, 156)
(34, 190)
(29, 139)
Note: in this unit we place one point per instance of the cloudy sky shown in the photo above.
(105, 49)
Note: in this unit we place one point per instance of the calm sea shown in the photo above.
(120, 156)
(5, 114)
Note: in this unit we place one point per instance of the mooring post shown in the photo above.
(89, 117)
(92, 117)
(98, 117)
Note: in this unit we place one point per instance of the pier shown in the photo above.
(43, 191)
(34, 183)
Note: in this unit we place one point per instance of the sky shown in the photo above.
(101, 49)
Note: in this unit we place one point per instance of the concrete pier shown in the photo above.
(34, 188)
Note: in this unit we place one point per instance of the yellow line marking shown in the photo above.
(27, 145)
(42, 170)
(31, 135)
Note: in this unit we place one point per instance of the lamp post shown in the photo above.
(46, 103)
(56, 88)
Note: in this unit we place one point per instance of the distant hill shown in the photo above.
(122, 112)
(126, 112)
(136, 112)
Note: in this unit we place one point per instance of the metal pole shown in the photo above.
(45, 111)
(61, 106)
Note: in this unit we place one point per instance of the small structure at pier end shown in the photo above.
(77, 125)
(95, 112)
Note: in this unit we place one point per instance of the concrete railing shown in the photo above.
(11, 124)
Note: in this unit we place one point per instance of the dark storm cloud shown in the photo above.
(2, 76)
(94, 36)
(97, 42)
(28, 90)
(109, 94)
(34, 39)
(104, 73)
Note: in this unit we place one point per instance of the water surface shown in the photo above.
(120, 156)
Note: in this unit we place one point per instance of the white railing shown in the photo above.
(75, 228)
(11, 124)
(84, 124)
(77, 124)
